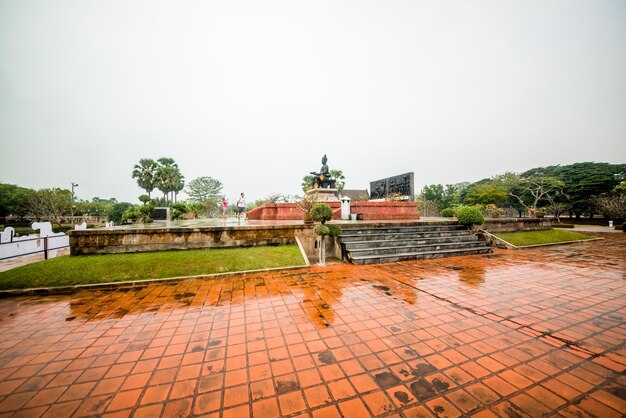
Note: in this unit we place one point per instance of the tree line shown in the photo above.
(580, 189)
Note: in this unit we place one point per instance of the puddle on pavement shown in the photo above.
(386, 380)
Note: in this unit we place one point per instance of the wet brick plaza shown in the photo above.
(537, 332)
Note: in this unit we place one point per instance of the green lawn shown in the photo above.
(549, 236)
(71, 270)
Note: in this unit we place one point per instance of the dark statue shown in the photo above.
(323, 179)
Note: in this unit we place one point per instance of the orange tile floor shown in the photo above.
(511, 334)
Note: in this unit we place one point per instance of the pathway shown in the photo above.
(511, 334)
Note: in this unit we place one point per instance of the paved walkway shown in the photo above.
(511, 334)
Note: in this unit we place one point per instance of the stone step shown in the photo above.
(402, 249)
(355, 245)
(345, 238)
(374, 259)
(365, 230)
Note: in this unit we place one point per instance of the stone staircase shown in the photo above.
(369, 244)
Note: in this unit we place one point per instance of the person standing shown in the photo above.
(241, 206)
(224, 206)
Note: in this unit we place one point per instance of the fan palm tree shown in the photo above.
(146, 174)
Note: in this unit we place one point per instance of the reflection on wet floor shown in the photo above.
(514, 333)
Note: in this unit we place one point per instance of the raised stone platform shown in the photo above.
(369, 211)
(129, 240)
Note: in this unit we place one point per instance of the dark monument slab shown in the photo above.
(402, 184)
(162, 214)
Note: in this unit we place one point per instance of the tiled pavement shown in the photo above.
(512, 334)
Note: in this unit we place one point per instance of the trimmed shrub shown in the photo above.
(321, 212)
(179, 210)
(562, 225)
(335, 230)
(321, 229)
(447, 213)
(469, 215)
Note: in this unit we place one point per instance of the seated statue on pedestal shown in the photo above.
(323, 179)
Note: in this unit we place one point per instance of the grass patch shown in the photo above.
(550, 236)
(72, 270)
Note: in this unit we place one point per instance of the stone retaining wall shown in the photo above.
(114, 241)
(515, 224)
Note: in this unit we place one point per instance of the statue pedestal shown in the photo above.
(324, 195)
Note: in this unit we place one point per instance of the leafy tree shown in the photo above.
(442, 196)
(14, 200)
(487, 193)
(94, 208)
(338, 175)
(613, 206)
(529, 190)
(116, 212)
(433, 193)
(204, 188)
(51, 204)
(307, 183)
(583, 181)
(146, 174)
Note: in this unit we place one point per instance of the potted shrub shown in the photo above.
(305, 204)
(321, 212)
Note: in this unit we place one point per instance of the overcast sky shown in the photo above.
(253, 93)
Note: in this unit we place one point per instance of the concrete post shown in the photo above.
(345, 208)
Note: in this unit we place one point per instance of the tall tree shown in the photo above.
(307, 182)
(530, 190)
(146, 174)
(340, 179)
(204, 188)
(169, 178)
(14, 200)
(433, 193)
(582, 181)
(487, 193)
(51, 204)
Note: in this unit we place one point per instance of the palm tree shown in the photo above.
(146, 174)
(338, 175)
(180, 185)
(169, 179)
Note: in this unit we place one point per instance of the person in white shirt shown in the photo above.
(241, 206)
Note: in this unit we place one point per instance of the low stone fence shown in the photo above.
(515, 224)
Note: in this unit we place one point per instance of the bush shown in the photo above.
(469, 215)
(562, 225)
(179, 210)
(321, 229)
(447, 213)
(132, 214)
(335, 230)
(321, 212)
(624, 227)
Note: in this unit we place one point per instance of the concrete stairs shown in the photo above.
(369, 244)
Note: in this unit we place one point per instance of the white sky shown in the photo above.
(253, 93)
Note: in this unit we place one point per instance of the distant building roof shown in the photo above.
(358, 195)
